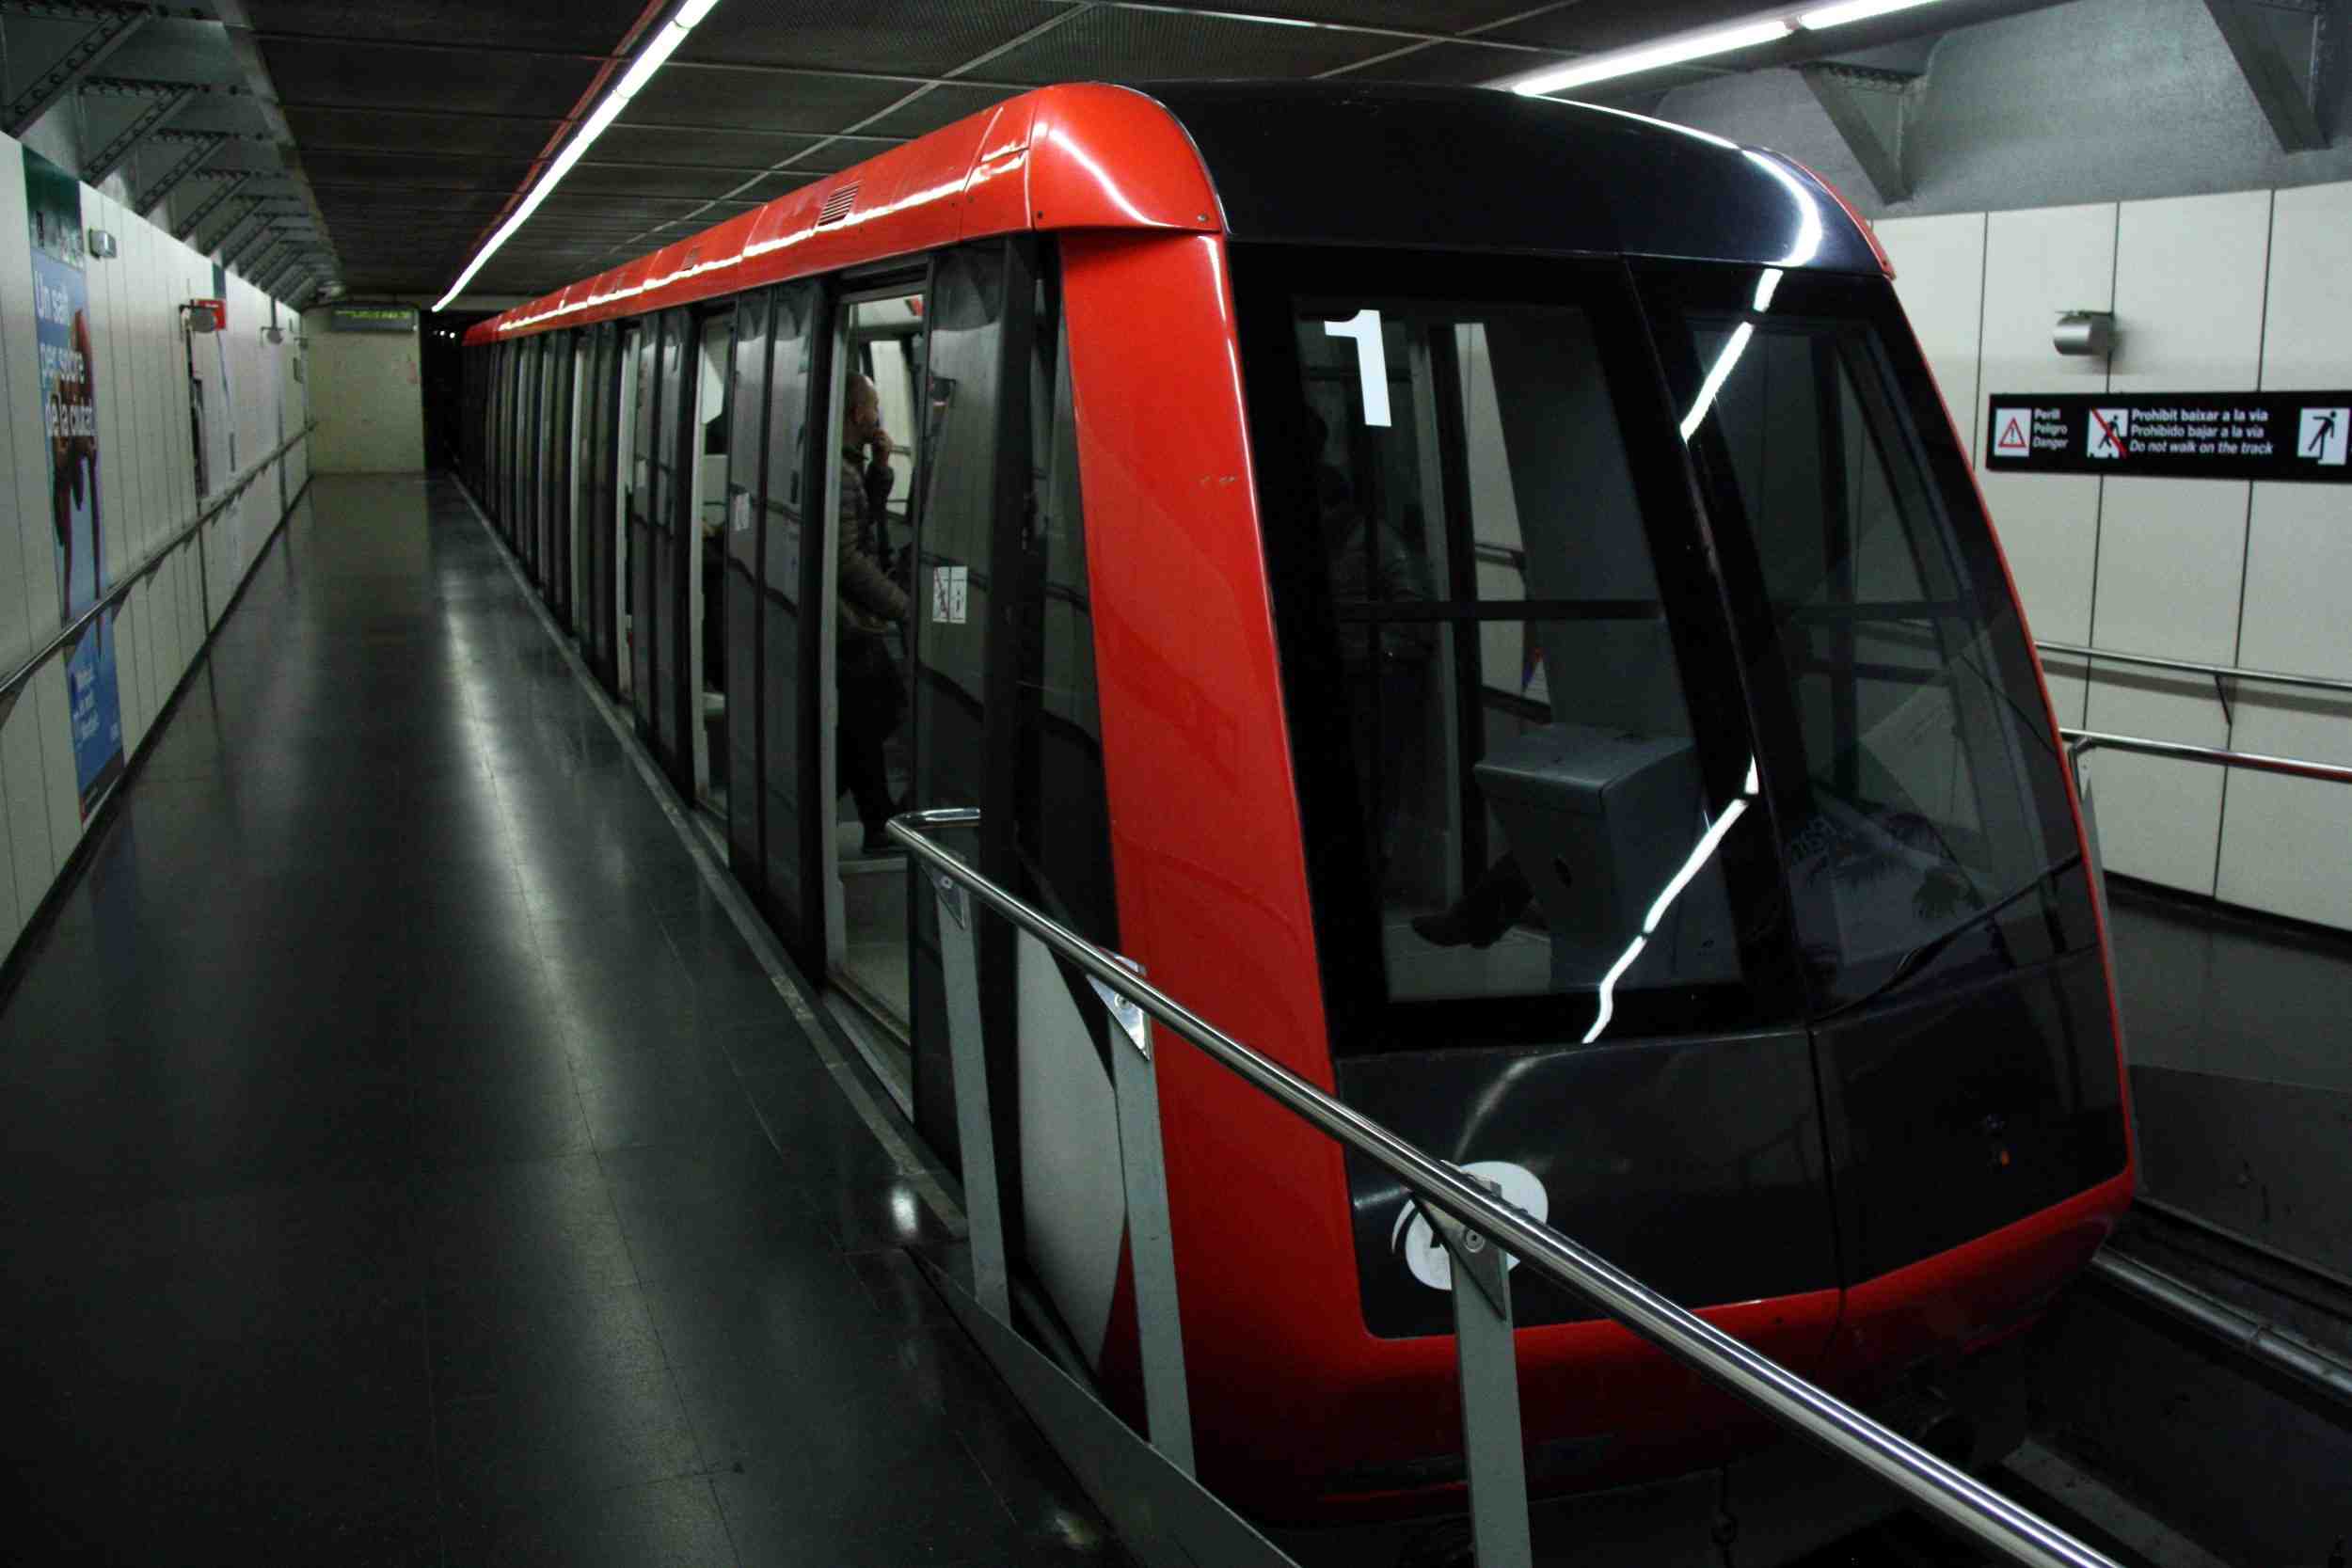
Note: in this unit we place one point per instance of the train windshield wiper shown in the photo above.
(1921, 955)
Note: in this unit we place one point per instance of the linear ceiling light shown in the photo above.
(1697, 46)
(641, 70)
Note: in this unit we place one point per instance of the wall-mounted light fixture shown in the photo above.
(102, 245)
(2084, 332)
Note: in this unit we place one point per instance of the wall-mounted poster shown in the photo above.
(69, 404)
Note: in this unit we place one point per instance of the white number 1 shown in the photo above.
(1372, 361)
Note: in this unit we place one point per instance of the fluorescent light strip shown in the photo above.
(1699, 46)
(1625, 62)
(641, 70)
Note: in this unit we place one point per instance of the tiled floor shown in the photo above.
(402, 1161)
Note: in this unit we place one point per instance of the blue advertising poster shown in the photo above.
(68, 401)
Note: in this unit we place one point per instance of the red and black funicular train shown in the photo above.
(1480, 597)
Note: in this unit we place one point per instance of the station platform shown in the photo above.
(404, 1160)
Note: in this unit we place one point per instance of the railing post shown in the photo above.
(1493, 1441)
(976, 1136)
(1159, 1320)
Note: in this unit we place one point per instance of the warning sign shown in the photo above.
(2012, 431)
(2300, 437)
(2324, 434)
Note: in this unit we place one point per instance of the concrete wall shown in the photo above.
(140, 372)
(2096, 101)
(2247, 291)
(371, 405)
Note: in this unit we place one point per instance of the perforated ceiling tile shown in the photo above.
(1115, 45)
(353, 76)
(456, 170)
(657, 144)
(1424, 16)
(911, 38)
(325, 130)
(660, 179)
(1460, 65)
(759, 99)
(1615, 23)
(939, 106)
(590, 25)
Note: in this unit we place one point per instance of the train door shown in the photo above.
(632, 478)
(531, 518)
(554, 428)
(876, 445)
(703, 539)
(781, 721)
(562, 402)
(600, 415)
(670, 562)
(738, 677)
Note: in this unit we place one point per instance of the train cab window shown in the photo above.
(1525, 824)
(1921, 795)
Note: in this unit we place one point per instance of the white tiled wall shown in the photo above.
(147, 485)
(2250, 289)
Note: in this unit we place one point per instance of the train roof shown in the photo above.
(1322, 163)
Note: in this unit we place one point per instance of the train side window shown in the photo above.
(1525, 784)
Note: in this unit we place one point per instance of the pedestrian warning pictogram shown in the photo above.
(2106, 434)
(2324, 435)
(2012, 431)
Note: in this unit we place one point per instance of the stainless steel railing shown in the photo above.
(2079, 743)
(147, 563)
(2191, 667)
(1479, 1232)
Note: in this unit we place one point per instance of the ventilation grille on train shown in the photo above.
(837, 206)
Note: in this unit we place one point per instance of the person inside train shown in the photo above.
(873, 695)
(1384, 665)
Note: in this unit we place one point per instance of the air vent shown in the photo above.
(838, 206)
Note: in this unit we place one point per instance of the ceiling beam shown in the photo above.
(108, 34)
(152, 196)
(165, 100)
(248, 55)
(1870, 109)
(211, 204)
(2267, 42)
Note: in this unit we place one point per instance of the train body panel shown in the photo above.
(1544, 675)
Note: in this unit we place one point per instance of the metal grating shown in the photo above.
(939, 106)
(318, 131)
(914, 38)
(1113, 44)
(838, 205)
(1459, 65)
(396, 76)
(1594, 25)
(651, 144)
(587, 25)
(759, 101)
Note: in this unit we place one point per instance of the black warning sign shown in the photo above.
(2297, 437)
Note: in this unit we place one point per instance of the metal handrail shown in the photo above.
(2081, 742)
(1980, 1513)
(2191, 666)
(147, 564)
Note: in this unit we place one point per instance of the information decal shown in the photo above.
(2300, 437)
(69, 404)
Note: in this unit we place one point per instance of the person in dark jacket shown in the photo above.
(871, 606)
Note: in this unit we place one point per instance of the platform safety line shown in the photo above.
(782, 972)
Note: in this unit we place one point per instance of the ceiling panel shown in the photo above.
(936, 107)
(512, 135)
(911, 38)
(1114, 45)
(628, 142)
(1592, 24)
(759, 99)
(1459, 65)
(589, 26)
(1421, 16)
(655, 179)
(362, 74)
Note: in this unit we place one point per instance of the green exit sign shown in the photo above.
(372, 318)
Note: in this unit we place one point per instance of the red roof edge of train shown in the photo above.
(1076, 156)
